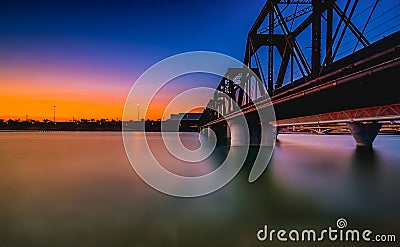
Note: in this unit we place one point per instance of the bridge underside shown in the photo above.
(372, 89)
(371, 114)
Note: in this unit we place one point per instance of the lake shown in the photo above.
(79, 189)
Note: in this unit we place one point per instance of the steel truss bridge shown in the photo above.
(296, 50)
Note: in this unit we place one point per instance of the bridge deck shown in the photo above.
(362, 82)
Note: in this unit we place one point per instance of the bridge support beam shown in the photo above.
(269, 135)
(206, 132)
(257, 134)
(238, 134)
(364, 133)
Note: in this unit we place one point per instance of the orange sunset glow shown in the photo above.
(75, 94)
(35, 93)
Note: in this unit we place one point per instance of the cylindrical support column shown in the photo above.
(203, 134)
(278, 129)
(205, 131)
(239, 134)
(228, 132)
(269, 133)
(364, 133)
(207, 136)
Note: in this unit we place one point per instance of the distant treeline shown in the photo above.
(100, 125)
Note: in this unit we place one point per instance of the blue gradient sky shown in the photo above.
(83, 56)
(121, 35)
(76, 54)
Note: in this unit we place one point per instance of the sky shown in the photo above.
(84, 56)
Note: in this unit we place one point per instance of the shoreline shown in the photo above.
(394, 133)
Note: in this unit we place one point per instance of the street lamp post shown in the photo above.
(54, 117)
(138, 106)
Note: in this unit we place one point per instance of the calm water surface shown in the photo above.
(78, 189)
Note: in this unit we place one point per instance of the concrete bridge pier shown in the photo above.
(364, 133)
(258, 134)
(270, 134)
(205, 133)
(239, 134)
